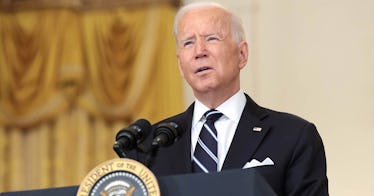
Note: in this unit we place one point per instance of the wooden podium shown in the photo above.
(236, 182)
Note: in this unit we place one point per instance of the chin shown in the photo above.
(204, 89)
(202, 86)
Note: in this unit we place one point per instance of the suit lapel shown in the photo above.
(248, 136)
(182, 152)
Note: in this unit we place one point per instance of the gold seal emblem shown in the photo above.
(122, 176)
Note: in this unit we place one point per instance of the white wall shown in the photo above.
(315, 58)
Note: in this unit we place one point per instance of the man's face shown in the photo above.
(209, 58)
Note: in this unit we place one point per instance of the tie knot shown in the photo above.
(212, 115)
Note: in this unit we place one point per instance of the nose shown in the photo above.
(200, 49)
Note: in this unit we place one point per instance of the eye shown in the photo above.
(212, 38)
(187, 43)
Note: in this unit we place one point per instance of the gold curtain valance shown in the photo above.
(80, 4)
(100, 61)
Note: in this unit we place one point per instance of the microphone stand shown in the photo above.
(151, 154)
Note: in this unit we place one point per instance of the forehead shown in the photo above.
(204, 21)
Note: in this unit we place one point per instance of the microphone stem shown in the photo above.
(153, 152)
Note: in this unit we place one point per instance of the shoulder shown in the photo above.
(183, 119)
(291, 127)
(253, 111)
(284, 118)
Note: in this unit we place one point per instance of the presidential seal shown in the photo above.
(119, 177)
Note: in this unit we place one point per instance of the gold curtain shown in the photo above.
(70, 79)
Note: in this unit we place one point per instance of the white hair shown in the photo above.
(237, 29)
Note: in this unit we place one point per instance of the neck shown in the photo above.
(213, 99)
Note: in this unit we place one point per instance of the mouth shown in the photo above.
(202, 69)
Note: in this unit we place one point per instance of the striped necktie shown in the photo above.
(205, 156)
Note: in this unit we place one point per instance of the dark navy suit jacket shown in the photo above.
(292, 143)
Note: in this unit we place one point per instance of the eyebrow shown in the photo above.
(206, 35)
(210, 34)
(188, 38)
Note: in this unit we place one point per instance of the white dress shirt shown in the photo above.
(226, 125)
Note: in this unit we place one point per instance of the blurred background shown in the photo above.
(73, 72)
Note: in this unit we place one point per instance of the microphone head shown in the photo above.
(135, 133)
(167, 133)
(142, 127)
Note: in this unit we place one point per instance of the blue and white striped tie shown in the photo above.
(205, 156)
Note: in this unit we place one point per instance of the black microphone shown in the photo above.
(166, 134)
(130, 137)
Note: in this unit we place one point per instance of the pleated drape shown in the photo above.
(70, 79)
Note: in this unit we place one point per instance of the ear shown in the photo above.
(243, 54)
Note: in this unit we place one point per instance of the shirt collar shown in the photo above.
(232, 108)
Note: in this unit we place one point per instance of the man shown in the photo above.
(211, 51)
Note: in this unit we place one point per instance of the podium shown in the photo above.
(246, 182)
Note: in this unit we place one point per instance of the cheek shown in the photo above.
(184, 68)
(229, 68)
(181, 71)
(184, 62)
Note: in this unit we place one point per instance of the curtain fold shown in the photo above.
(29, 57)
(70, 79)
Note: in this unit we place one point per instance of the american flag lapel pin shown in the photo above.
(257, 129)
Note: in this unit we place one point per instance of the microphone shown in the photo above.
(166, 134)
(130, 137)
